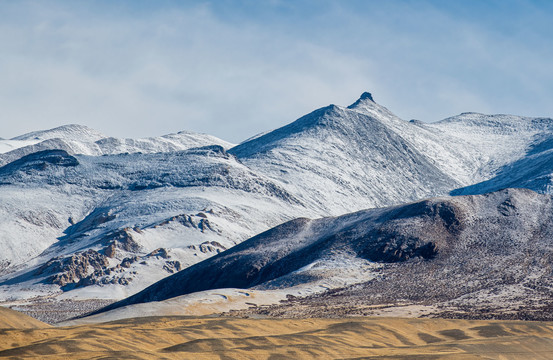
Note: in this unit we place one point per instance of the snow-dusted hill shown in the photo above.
(95, 216)
(534, 170)
(65, 132)
(455, 254)
(126, 220)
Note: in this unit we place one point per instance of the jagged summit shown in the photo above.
(367, 106)
(366, 96)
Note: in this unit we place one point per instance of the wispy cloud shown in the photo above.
(235, 68)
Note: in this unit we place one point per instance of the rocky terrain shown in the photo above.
(480, 256)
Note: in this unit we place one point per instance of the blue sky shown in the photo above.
(236, 68)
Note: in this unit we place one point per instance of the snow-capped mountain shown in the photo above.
(86, 215)
(340, 160)
(360, 156)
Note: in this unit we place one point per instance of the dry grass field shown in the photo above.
(176, 337)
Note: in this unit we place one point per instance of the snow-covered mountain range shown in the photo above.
(83, 215)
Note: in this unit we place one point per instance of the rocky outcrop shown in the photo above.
(124, 272)
(161, 252)
(172, 266)
(122, 240)
(73, 268)
(94, 219)
(208, 247)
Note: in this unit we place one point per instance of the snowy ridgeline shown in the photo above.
(84, 215)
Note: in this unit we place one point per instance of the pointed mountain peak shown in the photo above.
(365, 98)
(366, 105)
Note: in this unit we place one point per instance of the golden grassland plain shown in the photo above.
(179, 337)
